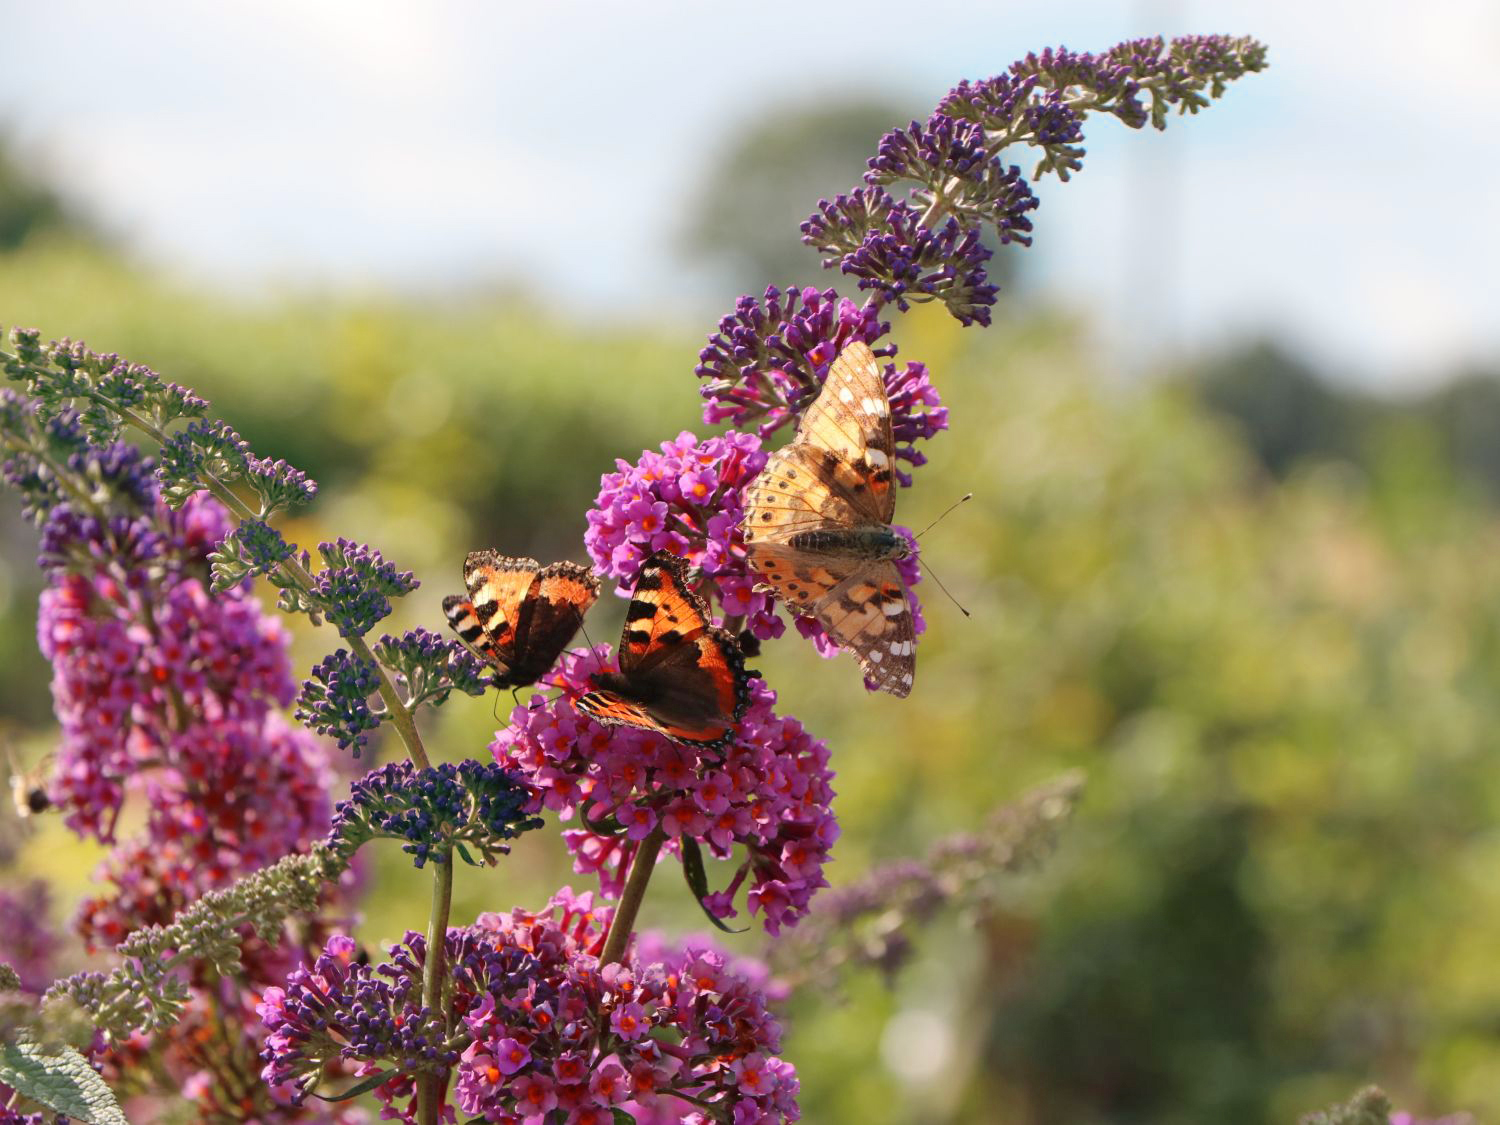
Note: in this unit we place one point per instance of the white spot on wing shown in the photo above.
(876, 458)
(892, 609)
(875, 406)
(846, 395)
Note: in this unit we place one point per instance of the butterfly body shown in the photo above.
(679, 676)
(817, 524)
(874, 543)
(520, 615)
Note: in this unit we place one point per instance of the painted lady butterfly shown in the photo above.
(817, 523)
(679, 676)
(520, 615)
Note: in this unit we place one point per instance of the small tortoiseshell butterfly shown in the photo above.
(520, 615)
(817, 523)
(679, 676)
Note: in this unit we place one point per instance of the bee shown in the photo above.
(28, 788)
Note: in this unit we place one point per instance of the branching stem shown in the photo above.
(401, 716)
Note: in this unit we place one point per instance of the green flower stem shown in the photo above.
(630, 900)
(431, 1088)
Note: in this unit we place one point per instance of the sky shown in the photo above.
(1346, 201)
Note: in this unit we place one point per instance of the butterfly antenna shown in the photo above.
(934, 523)
(926, 569)
(590, 641)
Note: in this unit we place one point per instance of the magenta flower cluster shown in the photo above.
(687, 499)
(538, 1027)
(166, 691)
(768, 793)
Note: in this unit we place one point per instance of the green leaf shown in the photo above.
(464, 852)
(360, 1087)
(692, 868)
(622, 1118)
(60, 1079)
(697, 881)
(605, 826)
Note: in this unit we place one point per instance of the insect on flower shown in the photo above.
(520, 615)
(679, 676)
(818, 523)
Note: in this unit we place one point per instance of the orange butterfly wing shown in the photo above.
(520, 615)
(679, 676)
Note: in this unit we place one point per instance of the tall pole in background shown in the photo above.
(1151, 284)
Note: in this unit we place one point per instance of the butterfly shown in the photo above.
(520, 615)
(817, 523)
(679, 676)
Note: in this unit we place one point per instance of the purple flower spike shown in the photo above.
(769, 356)
(473, 807)
(930, 153)
(335, 700)
(354, 588)
(165, 689)
(886, 244)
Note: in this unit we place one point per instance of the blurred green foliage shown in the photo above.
(1290, 413)
(1282, 689)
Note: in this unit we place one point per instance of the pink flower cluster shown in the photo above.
(687, 499)
(241, 800)
(769, 792)
(569, 1036)
(169, 692)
